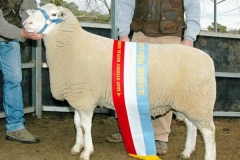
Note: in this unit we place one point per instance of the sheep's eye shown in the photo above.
(54, 14)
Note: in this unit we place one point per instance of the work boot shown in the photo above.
(114, 138)
(22, 136)
(161, 147)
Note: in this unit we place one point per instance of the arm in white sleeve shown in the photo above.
(125, 11)
(192, 12)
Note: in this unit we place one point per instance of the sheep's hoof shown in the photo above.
(182, 156)
(85, 155)
(75, 151)
(84, 158)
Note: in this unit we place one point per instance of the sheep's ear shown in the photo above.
(30, 11)
(63, 15)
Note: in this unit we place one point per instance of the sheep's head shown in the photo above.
(44, 19)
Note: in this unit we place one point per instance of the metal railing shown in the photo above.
(37, 65)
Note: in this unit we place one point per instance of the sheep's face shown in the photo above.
(44, 19)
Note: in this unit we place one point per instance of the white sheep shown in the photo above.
(180, 78)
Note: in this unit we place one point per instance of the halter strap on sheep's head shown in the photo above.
(48, 20)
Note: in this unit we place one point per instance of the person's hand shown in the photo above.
(187, 42)
(124, 38)
(28, 35)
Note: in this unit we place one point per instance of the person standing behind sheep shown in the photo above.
(12, 14)
(158, 21)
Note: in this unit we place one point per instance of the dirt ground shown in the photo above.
(57, 134)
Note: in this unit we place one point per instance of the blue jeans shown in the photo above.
(10, 64)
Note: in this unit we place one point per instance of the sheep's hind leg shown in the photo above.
(86, 124)
(190, 140)
(76, 149)
(209, 141)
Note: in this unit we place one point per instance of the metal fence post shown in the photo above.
(38, 79)
(113, 19)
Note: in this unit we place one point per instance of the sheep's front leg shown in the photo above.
(86, 124)
(76, 149)
(190, 140)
